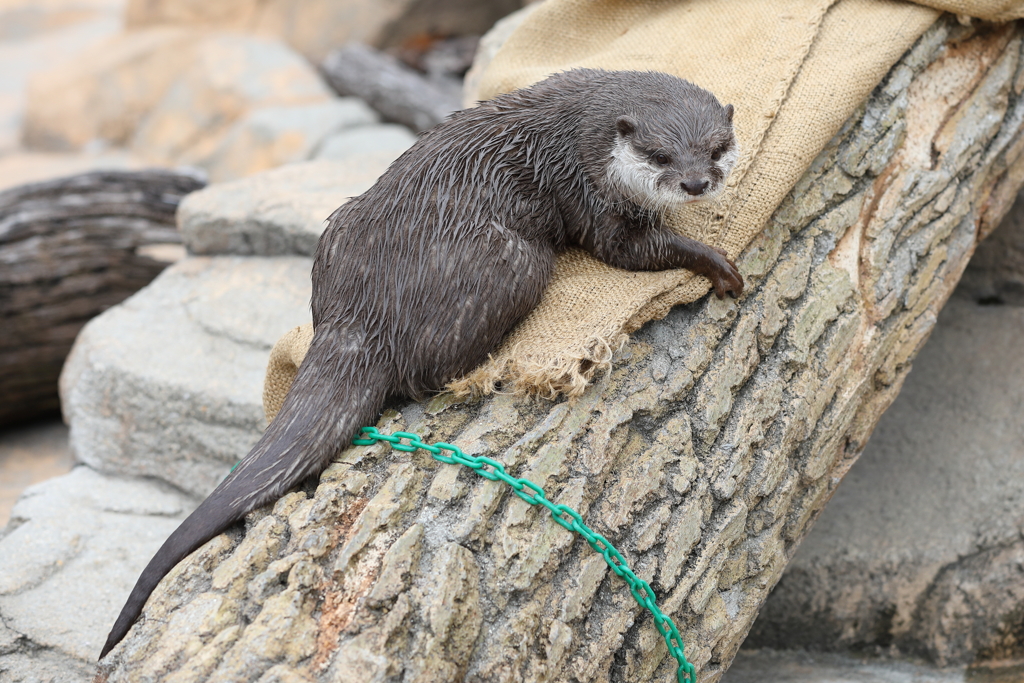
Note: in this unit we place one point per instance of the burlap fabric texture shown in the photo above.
(795, 70)
(285, 359)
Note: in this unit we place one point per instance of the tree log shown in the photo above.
(69, 249)
(704, 455)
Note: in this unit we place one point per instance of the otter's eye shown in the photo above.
(716, 155)
(662, 159)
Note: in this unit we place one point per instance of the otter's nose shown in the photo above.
(694, 187)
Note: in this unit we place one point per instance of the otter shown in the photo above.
(418, 279)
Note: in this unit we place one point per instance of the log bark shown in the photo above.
(704, 455)
(70, 249)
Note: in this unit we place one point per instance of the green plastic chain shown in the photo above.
(563, 515)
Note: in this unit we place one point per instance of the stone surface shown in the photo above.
(389, 138)
(73, 549)
(314, 27)
(704, 455)
(102, 95)
(755, 666)
(29, 454)
(282, 211)
(995, 274)
(268, 137)
(35, 665)
(169, 383)
(238, 15)
(168, 93)
(228, 76)
(36, 36)
(920, 548)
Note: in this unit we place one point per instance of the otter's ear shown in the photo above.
(625, 125)
(728, 112)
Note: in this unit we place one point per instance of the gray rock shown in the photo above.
(386, 138)
(30, 454)
(74, 548)
(227, 76)
(31, 41)
(169, 383)
(996, 271)
(278, 212)
(44, 666)
(804, 667)
(920, 551)
(268, 137)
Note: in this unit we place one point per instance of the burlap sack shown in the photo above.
(795, 71)
(285, 359)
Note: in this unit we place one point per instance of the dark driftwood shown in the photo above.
(68, 250)
(397, 92)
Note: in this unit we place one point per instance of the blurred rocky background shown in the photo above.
(914, 572)
(207, 91)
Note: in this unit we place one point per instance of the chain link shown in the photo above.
(563, 515)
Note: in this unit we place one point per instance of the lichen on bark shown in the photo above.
(704, 455)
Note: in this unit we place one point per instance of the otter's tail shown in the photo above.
(323, 410)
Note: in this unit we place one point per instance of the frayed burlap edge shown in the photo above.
(522, 373)
(519, 373)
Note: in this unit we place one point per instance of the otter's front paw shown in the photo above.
(723, 274)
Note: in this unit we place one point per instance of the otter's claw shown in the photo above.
(724, 275)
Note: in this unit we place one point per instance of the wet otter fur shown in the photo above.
(417, 280)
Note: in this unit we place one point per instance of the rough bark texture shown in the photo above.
(69, 249)
(704, 455)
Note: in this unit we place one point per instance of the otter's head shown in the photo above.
(670, 155)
